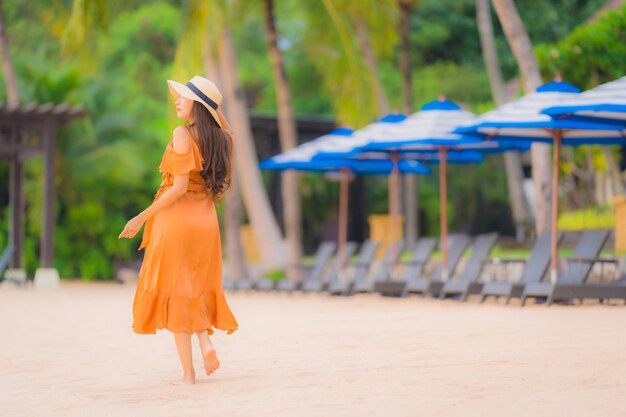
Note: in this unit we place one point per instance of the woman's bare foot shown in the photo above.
(185, 380)
(211, 363)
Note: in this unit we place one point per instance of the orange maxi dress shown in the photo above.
(180, 280)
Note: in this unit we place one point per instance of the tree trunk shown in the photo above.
(287, 133)
(410, 193)
(617, 186)
(8, 71)
(527, 63)
(372, 65)
(512, 160)
(266, 230)
(237, 266)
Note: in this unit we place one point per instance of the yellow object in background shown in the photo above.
(620, 224)
(384, 228)
(250, 248)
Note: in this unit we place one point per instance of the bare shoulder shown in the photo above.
(181, 139)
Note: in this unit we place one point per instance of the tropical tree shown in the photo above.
(411, 193)
(209, 22)
(287, 133)
(521, 47)
(8, 70)
(512, 160)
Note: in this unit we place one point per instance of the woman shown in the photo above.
(180, 281)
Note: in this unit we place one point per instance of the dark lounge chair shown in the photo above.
(316, 282)
(573, 281)
(407, 269)
(367, 282)
(342, 279)
(457, 244)
(535, 268)
(467, 283)
(311, 272)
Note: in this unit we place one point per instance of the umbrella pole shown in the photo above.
(343, 215)
(393, 206)
(443, 204)
(557, 137)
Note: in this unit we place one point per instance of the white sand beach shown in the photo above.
(71, 352)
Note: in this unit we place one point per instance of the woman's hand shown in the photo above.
(132, 227)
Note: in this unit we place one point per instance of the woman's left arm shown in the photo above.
(181, 145)
(169, 196)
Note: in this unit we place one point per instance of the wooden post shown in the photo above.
(443, 203)
(16, 202)
(557, 136)
(343, 214)
(394, 185)
(49, 196)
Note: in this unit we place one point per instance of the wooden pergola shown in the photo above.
(28, 131)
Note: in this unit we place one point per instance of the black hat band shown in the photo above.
(203, 96)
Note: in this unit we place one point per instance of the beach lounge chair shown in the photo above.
(342, 279)
(367, 282)
(457, 243)
(311, 272)
(317, 282)
(467, 283)
(572, 281)
(420, 254)
(228, 284)
(535, 268)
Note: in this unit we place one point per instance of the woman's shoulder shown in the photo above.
(181, 140)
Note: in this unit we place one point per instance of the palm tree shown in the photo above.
(237, 266)
(207, 30)
(255, 197)
(374, 24)
(17, 167)
(411, 193)
(521, 46)
(512, 160)
(8, 71)
(287, 133)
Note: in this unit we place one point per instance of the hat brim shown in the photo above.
(177, 89)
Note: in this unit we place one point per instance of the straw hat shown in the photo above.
(201, 90)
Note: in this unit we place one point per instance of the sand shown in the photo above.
(71, 352)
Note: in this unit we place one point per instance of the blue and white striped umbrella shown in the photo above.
(302, 158)
(523, 120)
(426, 135)
(605, 103)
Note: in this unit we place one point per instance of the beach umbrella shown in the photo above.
(605, 103)
(302, 158)
(427, 136)
(522, 120)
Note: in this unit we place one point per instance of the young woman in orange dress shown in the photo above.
(180, 281)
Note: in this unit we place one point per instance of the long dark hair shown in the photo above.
(216, 148)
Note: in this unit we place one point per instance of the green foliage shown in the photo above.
(275, 274)
(591, 54)
(592, 218)
(107, 163)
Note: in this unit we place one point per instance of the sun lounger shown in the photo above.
(573, 282)
(311, 272)
(367, 282)
(406, 269)
(341, 281)
(316, 282)
(467, 283)
(457, 244)
(535, 268)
